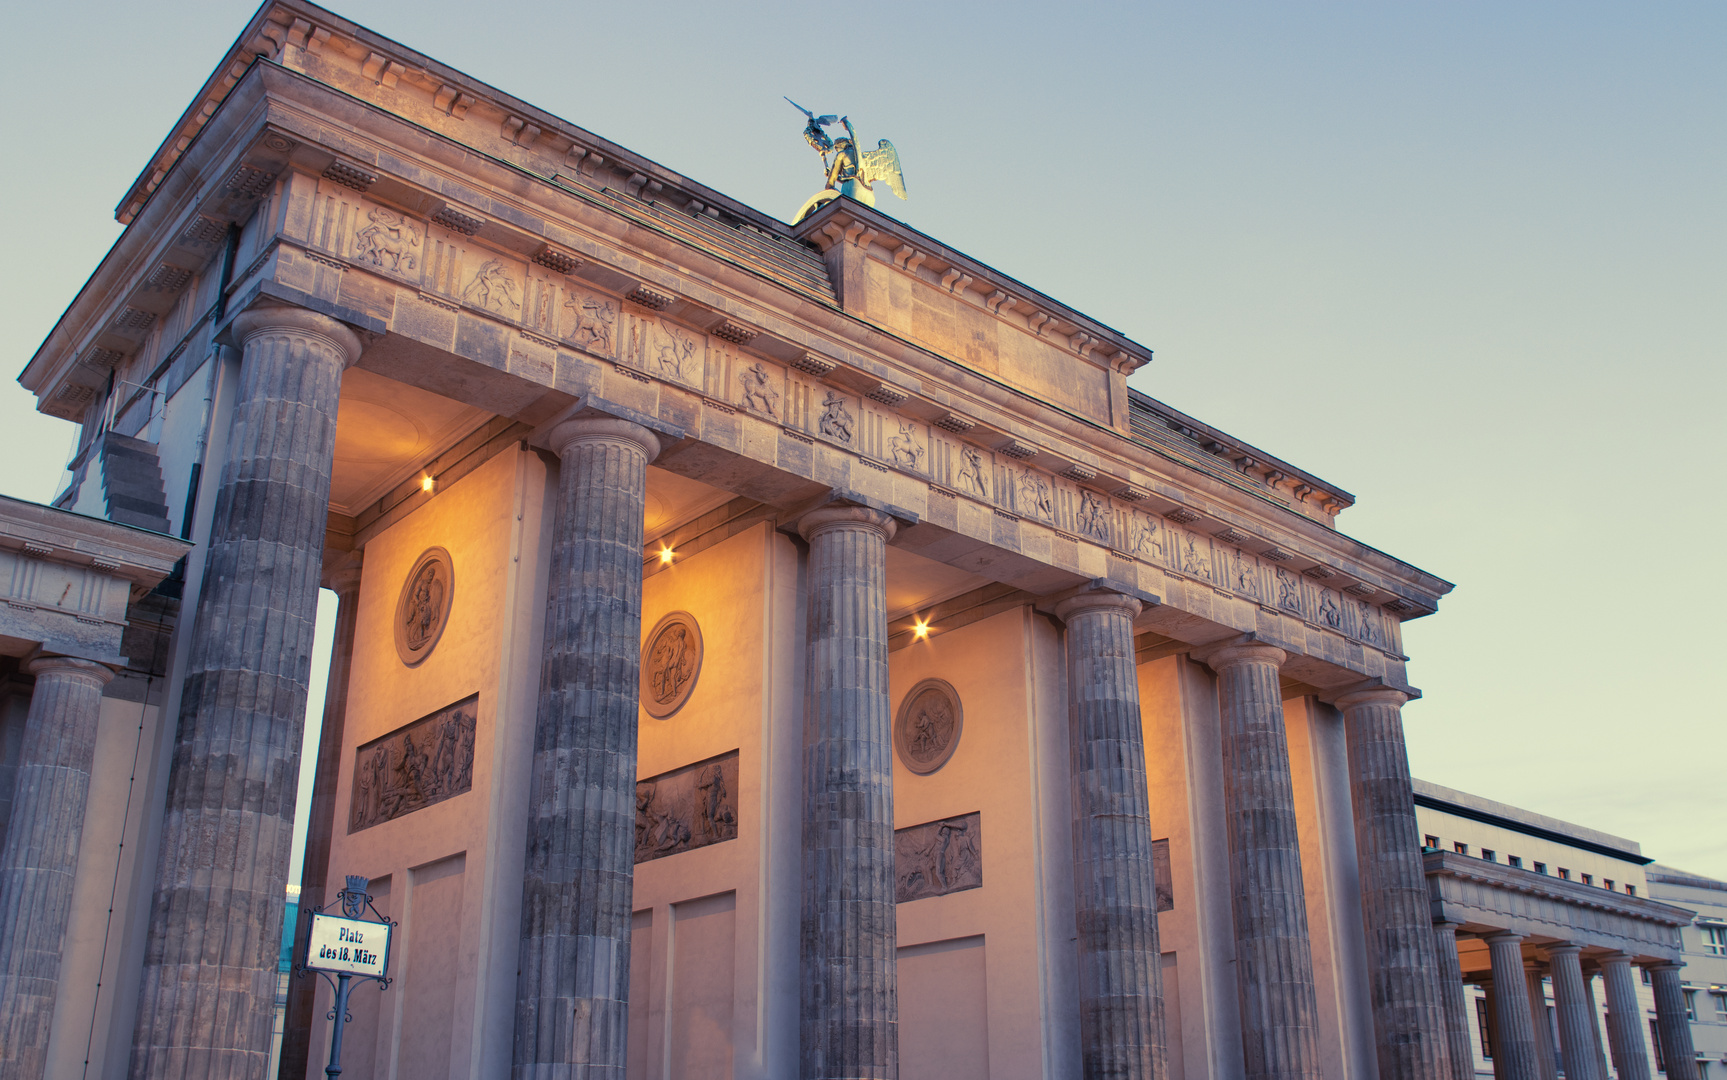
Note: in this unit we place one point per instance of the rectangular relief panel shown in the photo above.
(704, 944)
(426, 762)
(687, 808)
(938, 857)
(943, 1011)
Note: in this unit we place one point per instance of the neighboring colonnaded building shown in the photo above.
(762, 650)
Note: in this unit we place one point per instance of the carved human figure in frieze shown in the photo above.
(759, 394)
(1034, 497)
(1328, 610)
(425, 606)
(972, 474)
(1145, 540)
(836, 421)
(411, 768)
(492, 289)
(906, 450)
(1091, 518)
(672, 663)
(389, 241)
(718, 821)
(1369, 623)
(1245, 575)
(1288, 590)
(595, 321)
(677, 354)
(937, 858)
(1195, 561)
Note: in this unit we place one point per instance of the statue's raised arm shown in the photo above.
(853, 170)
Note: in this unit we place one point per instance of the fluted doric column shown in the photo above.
(315, 871)
(572, 982)
(1115, 888)
(1273, 951)
(1671, 1022)
(1455, 1001)
(1546, 1054)
(1408, 1016)
(1624, 1019)
(40, 857)
(849, 1022)
(1514, 1058)
(209, 986)
(1576, 1017)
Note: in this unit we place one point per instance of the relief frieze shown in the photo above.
(592, 322)
(687, 808)
(416, 766)
(493, 289)
(837, 422)
(938, 857)
(389, 241)
(759, 395)
(905, 449)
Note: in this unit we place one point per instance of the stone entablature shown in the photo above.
(1475, 893)
(65, 579)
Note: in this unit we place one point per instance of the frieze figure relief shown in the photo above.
(595, 322)
(687, 808)
(927, 729)
(1195, 562)
(971, 473)
(676, 357)
(1245, 576)
(1288, 590)
(423, 608)
(1145, 540)
(492, 289)
(1092, 519)
(1369, 623)
(759, 393)
(1034, 497)
(938, 857)
(413, 767)
(390, 237)
(671, 663)
(907, 452)
(836, 421)
(1329, 611)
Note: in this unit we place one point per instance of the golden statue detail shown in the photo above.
(850, 172)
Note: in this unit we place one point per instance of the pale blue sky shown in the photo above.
(1464, 259)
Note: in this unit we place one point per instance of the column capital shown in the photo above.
(1614, 958)
(1451, 925)
(1098, 600)
(1564, 948)
(584, 429)
(1502, 936)
(69, 665)
(846, 517)
(265, 318)
(1663, 965)
(1244, 650)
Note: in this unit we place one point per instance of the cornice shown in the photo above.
(1446, 864)
(60, 536)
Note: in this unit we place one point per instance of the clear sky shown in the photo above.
(1467, 260)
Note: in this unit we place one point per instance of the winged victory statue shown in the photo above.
(850, 172)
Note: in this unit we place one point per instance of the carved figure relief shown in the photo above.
(938, 857)
(971, 473)
(1369, 630)
(1196, 562)
(492, 289)
(836, 421)
(1034, 496)
(671, 662)
(595, 322)
(1246, 581)
(907, 452)
(927, 730)
(426, 762)
(389, 237)
(676, 355)
(1145, 540)
(687, 808)
(1329, 611)
(1092, 516)
(424, 605)
(1288, 590)
(759, 393)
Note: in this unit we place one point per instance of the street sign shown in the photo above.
(348, 946)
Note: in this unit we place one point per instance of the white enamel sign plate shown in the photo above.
(353, 946)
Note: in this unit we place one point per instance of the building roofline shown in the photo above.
(1517, 819)
(1672, 875)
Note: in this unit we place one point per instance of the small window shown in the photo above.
(1714, 940)
(1460, 848)
(1645, 973)
(1564, 874)
(1481, 1026)
(1514, 860)
(1490, 855)
(1720, 1007)
(1431, 843)
(1655, 1042)
(1539, 868)
(1630, 890)
(1691, 1005)
(1588, 879)
(1607, 883)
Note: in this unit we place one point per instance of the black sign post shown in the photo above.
(345, 947)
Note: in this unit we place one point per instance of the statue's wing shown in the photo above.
(826, 121)
(883, 164)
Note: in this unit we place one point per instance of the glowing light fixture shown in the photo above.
(919, 628)
(428, 483)
(666, 555)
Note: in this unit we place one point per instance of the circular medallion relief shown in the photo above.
(927, 729)
(424, 606)
(671, 661)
